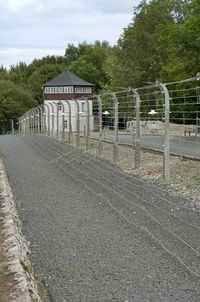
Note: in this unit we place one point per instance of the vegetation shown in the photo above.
(161, 43)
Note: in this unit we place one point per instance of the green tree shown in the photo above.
(14, 100)
(138, 56)
(89, 65)
(42, 75)
(181, 43)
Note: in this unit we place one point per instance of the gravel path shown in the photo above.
(98, 234)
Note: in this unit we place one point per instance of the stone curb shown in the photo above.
(16, 246)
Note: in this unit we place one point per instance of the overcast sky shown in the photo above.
(35, 28)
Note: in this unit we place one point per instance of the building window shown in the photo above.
(65, 124)
(83, 89)
(66, 89)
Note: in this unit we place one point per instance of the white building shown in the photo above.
(63, 92)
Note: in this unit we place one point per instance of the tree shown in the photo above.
(138, 56)
(89, 65)
(14, 100)
(42, 75)
(72, 52)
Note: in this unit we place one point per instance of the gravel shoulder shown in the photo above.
(91, 229)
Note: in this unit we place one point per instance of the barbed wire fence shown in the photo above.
(116, 125)
(158, 117)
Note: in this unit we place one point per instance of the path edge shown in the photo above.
(16, 246)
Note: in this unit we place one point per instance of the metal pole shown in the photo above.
(137, 145)
(166, 159)
(100, 125)
(116, 127)
(88, 126)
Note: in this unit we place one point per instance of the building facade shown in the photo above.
(68, 93)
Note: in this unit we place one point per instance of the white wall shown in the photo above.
(82, 114)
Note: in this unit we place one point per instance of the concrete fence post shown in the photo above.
(88, 126)
(100, 125)
(57, 127)
(77, 123)
(70, 122)
(137, 145)
(166, 158)
(52, 119)
(47, 120)
(63, 121)
(115, 99)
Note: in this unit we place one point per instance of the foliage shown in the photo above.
(14, 100)
(89, 65)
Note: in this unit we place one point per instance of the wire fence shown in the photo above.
(117, 125)
(160, 117)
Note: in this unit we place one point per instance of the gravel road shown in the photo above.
(98, 234)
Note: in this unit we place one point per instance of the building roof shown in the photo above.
(67, 79)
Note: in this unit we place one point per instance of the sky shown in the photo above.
(36, 28)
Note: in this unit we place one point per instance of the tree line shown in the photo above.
(161, 43)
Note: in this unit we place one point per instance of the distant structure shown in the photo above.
(68, 87)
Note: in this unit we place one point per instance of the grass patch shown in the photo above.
(27, 267)
(2, 155)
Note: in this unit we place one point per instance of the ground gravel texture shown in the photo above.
(97, 233)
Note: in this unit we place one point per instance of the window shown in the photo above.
(65, 124)
(65, 89)
(83, 89)
(59, 107)
(47, 89)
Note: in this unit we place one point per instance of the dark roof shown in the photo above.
(67, 79)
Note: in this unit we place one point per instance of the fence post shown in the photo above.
(12, 126)
(52, 119)
(38, 119)
(77, 124)
(166, 159)
(57, 116)
(63, 121)
(137, 145)
(47, 121)
(88, 126)
(100, 125)
(116, 127)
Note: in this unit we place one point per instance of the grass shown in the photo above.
(2, 155)
(27, 267)
(18, 222)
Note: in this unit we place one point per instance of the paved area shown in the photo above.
(189, 146)
(98, 234)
